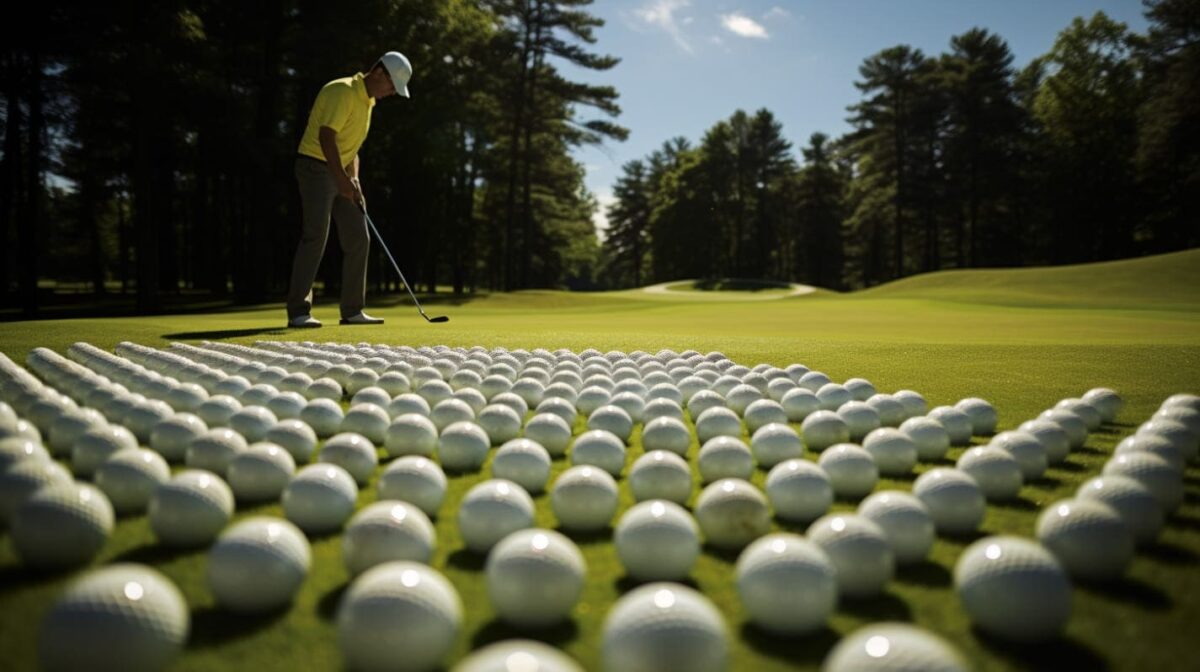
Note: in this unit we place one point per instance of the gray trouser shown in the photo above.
(319, 199)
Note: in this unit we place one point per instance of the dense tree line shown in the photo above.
(151, 145)
(1090, 152)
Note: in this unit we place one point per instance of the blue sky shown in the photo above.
(688, 63)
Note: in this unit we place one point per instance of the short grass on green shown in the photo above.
(1022, 339)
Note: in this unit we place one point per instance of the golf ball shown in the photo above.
(664, 626)
(23, 480)
(535, 577)
(258, 565)
(860, 419)
(957, 424)
(787, 584)
(1090, 539)
(190, 509)
(823, 429)
(660, 475)
(981, 413)
(657, 540)
(491, 511)
(905, 522)
(295, 437)
(1026, 450)
(954, 500)
(725, 457)
(387, 531)
(523, 462)
(718, 421)
(894, 452)
(1013, 588)
(1052, 437)
(799, 491)
(893, 647)
(775, 443)
(260, 473)
(353, 452)
(732, 513)
(366, 420)
(320, 498)
(931, 438)
(851, 470)
(599, 448)
(1131, 500)
(214, 449)
(1152, 471)
(414, 479)
(463, 446)
(859, 551)
(129, 478)
(518, 654)
(584, 498)
(997, 472)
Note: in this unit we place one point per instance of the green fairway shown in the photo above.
(1022, 339)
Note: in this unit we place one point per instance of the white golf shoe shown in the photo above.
(361, 318)
(303, 322)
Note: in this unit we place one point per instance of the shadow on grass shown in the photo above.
(497, 630)
(807, 650)
(15, 577)
(924, 573)
(1131, 591)
(1018, 504)
(213, 626)
(882, 607)
(1072, 467)
(1185, 522)
(465, 558)
(327, 606)
(627, 583)
(587, 537)
(1057, 654)
(963, 538)
(1088, 450)
(155, 554)
(1046, 481)
(1168, 553)
(228, 333)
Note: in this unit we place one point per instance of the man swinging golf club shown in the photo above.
(327, 170)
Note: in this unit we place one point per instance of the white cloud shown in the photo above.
(776, 12)
(662, 14)
(606, 200)
(743, 26)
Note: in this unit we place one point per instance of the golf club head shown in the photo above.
(440, 318)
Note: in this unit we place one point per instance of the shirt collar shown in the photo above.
(360, 88)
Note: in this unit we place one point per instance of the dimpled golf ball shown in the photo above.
(15, 449)
(725, 457)
(535, 577)
(1155, 445)
(591, 398)
(414, 479)
(319, 498)
(584, 498)
(1089, 538)
(500, 422)
(145, 416)
(190, 509)
(22, 480)
(524, 462)
(718, 421)
(956, 423)
(560, 407)
(905, 522)
(491, 511)
(398, 616)
(323, 415)
(1013, 588)
(70, 426)
(295, 437)
(258, 565)
(366, 420)
(762, 413)
(463, 446)
(599, 448)
(387, 531)
(62, 524)
(799, 403)
(787, 584)
(666, 433)
(1052, 437)
(851, 470)
(775, 443)
(119, 617)
(1089, 414)
(550, 431)
(893, 647)
(997, 472)
(97, 445)
(859, 551)
(217, 410)
(931, 438)
(353, 452)
(1070, 423)
(799, 490)
(741, 396)
(287, 406)
(657, 540)
(260, 473)
(1152, 471)
(860, 419)
(1180, 414)
(1131, 500)
(1108, 402)
(516, 655)
(408, 403)
(664, 626)
(954, 500)
(981, 413)
(1183, 438)
(891, 412)
(129, 478)
(1191, 401)
(1026, 449)
(823, 429)
(411, 434)
(660, 475)
(894, 452)
(214, 449)
(706, 399)
(732, 513)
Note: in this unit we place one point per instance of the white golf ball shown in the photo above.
(260, 473)
(657, 540)
(931, 438)
(411, 434)
(491, 511)
(287, 405)
(954, 500)
(1108, 402)
(320, 498)
(718, 421)
(387, 531)
(129, 478)
(414, 479)
(957, 424)
(1181, 414)
(217, 410)
(662, 408)
(592, 398)
(1026, 449)
(214, 449)
(668, 434)
(894, 452)
(1179, 434)
(584, 498)
(1191, 401)
(145, 416)
(664, 626)
(295, 437)
(97, 445)
(905, 522)
(599, 448)
(23, 480)
(704, 400)
(1152, 471)
(823, 429)
(550, 431)
(859, 551)
(787, 584)
(1071, 423)
(762, 413)
(799, 403)
(997, 472)
(860, 388)
(1089, 538)
(981, 413)
(725, 457)
(914, 404)
(375, 396)
(775, 443)
(118, 617)
(398, 616)
(15, 449)
(408, 403)
(860, 419)
(524, 462)
(851, 470)
(190, 509)
(258, 565)
(61, 525)
(535, 577)
(1052, 437)
(1013, 588)
(365, 420)
(323, 415)
(732, 513)
(799, 491)
(518, 654)
(530, 390)
(70, 426)
(741, 396)
(253, 422)
(891, 412)
(813, 381)
(1154, 444)
(353, 452)
(660, 475)
(1090, 415)
(892, 647)
(463, 446)
(1131, 500)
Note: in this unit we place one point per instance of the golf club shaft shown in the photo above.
(393, 260)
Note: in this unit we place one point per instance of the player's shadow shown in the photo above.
(807, 650)
(497, 630)
(1057, 654)
(224, 333)
(925, 573)
(213, 626)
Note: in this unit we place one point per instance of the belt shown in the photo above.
(305, 156)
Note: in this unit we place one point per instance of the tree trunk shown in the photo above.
(10, 170)
(34, 191)
(508, 244)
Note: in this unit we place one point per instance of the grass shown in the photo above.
(1022, 339)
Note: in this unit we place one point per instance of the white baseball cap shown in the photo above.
(400, 70)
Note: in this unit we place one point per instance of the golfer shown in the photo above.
(327, 171)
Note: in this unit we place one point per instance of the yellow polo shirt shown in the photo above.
(344, 106)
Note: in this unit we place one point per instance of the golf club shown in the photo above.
(440, 318)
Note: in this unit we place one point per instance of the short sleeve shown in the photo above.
(332, 107)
